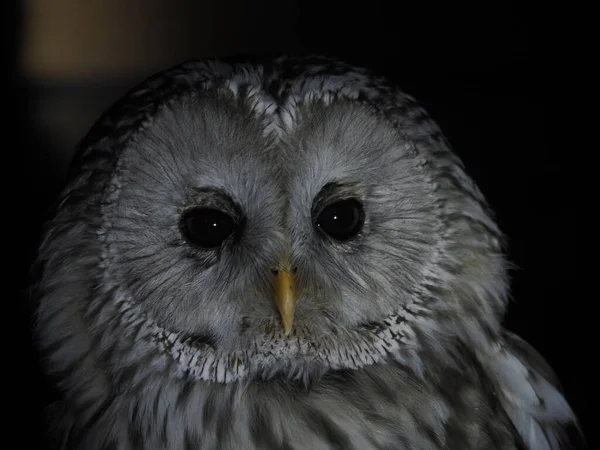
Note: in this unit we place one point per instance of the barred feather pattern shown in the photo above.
(431, 368)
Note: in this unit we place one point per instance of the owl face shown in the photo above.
(283, 218)
(215, 218)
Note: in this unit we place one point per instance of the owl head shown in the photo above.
(231, 221)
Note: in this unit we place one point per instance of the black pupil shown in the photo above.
(206, 227)
(341, 220)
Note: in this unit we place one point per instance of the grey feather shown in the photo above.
(397, 339)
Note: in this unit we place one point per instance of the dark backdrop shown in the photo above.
(482, 71)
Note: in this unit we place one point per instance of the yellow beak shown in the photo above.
(286, 298)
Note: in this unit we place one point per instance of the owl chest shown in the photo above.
(374, 409)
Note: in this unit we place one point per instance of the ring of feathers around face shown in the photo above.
(275, 93)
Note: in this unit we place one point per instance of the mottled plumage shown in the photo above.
(396, 343)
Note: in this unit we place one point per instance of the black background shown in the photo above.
(485, 71)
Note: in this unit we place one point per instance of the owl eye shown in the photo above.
(341, 220)
(207, 227)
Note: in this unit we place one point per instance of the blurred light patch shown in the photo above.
(71, 41)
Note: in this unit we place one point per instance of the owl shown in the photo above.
(281, 254)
